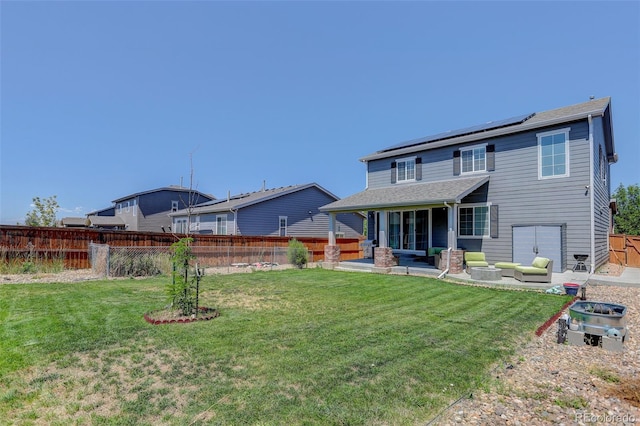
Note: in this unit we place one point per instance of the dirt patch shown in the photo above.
(610, 269)
(104, 383)
(628, 390)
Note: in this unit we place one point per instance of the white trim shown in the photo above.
(472, 148)
(405, 160)
(286, 225)
(567, 141)
(473, 206)
(217, 228)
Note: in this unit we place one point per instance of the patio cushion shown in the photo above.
(474, 256)
(531, 270)
(540, 262)
(432, 251)
(473, 263)
(506, 265)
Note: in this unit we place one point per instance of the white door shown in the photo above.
(538, 240)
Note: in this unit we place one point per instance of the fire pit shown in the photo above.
(598, 319)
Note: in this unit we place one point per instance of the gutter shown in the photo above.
(592, 198)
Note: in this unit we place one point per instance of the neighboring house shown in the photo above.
(149, 210)
(74, 222)
(536, 184)
(290, 211)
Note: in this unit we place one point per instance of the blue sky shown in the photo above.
(104, 99)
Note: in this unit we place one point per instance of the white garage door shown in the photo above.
(539, 240)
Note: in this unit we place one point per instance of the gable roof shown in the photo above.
(594, 108)
(109, 221)
(417, 194)
(74, 221)
(170, 188)
(248, 199)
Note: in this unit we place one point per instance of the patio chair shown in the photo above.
(539, 271)
(474, 259)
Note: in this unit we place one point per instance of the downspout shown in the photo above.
(449, 248)
(592, 197)
(235, 221)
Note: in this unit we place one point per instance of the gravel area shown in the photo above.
(544, 383)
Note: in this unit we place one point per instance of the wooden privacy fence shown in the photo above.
(624, 250)
(72, 245)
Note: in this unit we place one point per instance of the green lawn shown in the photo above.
(292, 347)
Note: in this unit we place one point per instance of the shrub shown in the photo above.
(182, 290)
(297, 253)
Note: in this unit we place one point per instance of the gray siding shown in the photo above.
(263, 218)
(602, 195)
(522, 197)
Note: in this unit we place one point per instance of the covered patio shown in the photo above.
(408, 220)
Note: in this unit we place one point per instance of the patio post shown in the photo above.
(383, 257)
(332, 249)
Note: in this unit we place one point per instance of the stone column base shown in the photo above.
(456, 265)
(384, 258)
(331, 256)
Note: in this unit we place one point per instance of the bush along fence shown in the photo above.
(71, 247)
(148, 261)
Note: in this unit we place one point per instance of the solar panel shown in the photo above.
(491, 125)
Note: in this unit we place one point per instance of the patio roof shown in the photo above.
(410, 195)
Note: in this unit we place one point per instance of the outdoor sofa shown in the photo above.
(538, 272)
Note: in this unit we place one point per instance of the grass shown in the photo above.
(298, 347)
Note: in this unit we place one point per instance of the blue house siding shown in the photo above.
(259, 214)
(264, 218)
(577, 204)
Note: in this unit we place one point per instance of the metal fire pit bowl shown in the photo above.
(599, 318)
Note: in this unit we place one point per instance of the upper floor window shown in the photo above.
(283, 226)
(406, 169)
(119, 208)
(174, 206)
(473, 159)
(553, 154)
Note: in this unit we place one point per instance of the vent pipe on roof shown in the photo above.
(264, 185)
(228, 196)
(591, 97)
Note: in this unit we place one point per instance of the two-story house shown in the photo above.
(535, 184)
(290, 211)
(149, 210)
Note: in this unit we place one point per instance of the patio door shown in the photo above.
(405, 227)
(409, 230)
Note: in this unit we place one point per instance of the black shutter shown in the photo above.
(418, 168)
(493, 217)
(491, 158)
(456, 163)
(393, 172)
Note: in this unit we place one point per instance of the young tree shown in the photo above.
(627, 221)
(44, 212)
